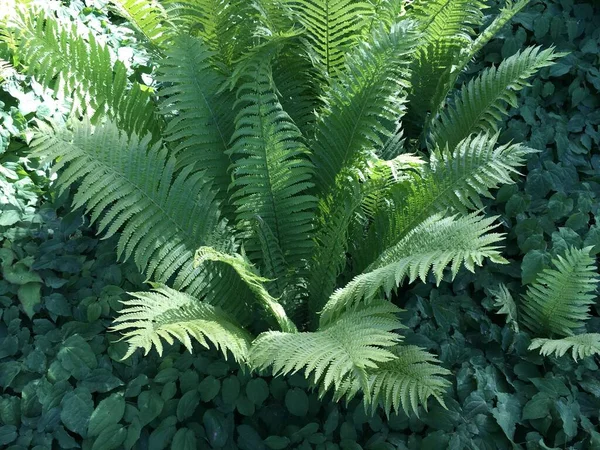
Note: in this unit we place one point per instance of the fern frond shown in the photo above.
(165, 313)
(201, 118)
(332, 28)
(581, 345)
(506, 305)
(433, 245)
(271, 171)
(455, 181)
(248, 274)
(557, 303)
(127, 185)
(481, 103)
(80, 69)
(357, 341)
(401, 384)
(362, 103)
(149, 18)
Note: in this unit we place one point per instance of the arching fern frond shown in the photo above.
(481, 103)
(80, 69)
(200, 121)
(557, 303)
(433, 245)
(505, 303)
(361, 105)
(127, 185)
(165, 313)
(149, 18)
(401, 384)
(359, 340)
(580, 345)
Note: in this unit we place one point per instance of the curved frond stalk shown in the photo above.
(248, 274)
(149, 18)
(168, 314)
(201, 117)
(580, 345)
(482, 102)
(80, 68)
(127, 185)
(362, 103)
(505, 303)
(455, 182)
(401, 384)
(558, 302)
(271, 171)
(435, 244)
(447, 27)
(332, 29)
(359, 340)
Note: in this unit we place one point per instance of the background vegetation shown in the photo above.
(62, 379)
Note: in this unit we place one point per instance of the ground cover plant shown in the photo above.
(488, 412)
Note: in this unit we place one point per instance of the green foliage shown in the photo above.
(581, 345)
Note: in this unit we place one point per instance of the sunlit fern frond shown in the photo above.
(433, 245)
(580, 345)
(558, 302)
(166, 314)
(505, 303)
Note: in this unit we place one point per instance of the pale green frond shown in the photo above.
(401, 384)
(81, 69)
(558, 302)
(271, 173)
(580, 345)
(363, 104)
(332, 28)
(359, 340)
(250, 277)
(505, 303)
(132, 187)
(433, 245)
(454, 181)
(149, 18)
(199, 116)
(167, 314)
(482, 102)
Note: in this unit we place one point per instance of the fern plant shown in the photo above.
(267, 185)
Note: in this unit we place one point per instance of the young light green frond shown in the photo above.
(506, 305)
(357, 341)
(271, 171)
(482, 102)
(454, 182)
(249, 276)
(200, 119)
(149, 18)
(401, 384)
(433, 245)
(332, 28)
(362, 103)
(80, 69)
(558, 302)
(129, 186)
(447, 27)
(581, 345)
(165, 313)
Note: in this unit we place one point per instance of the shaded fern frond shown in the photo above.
(481, 103)
(131, 187)
(580, 345)
(358, 341)
(248, 274)
(201, 122)
(80, 69)
(363, 104)
(557, 303)
(165, 313)
(505, 303)
(149, 18)
(401, 384)
(433, 245)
